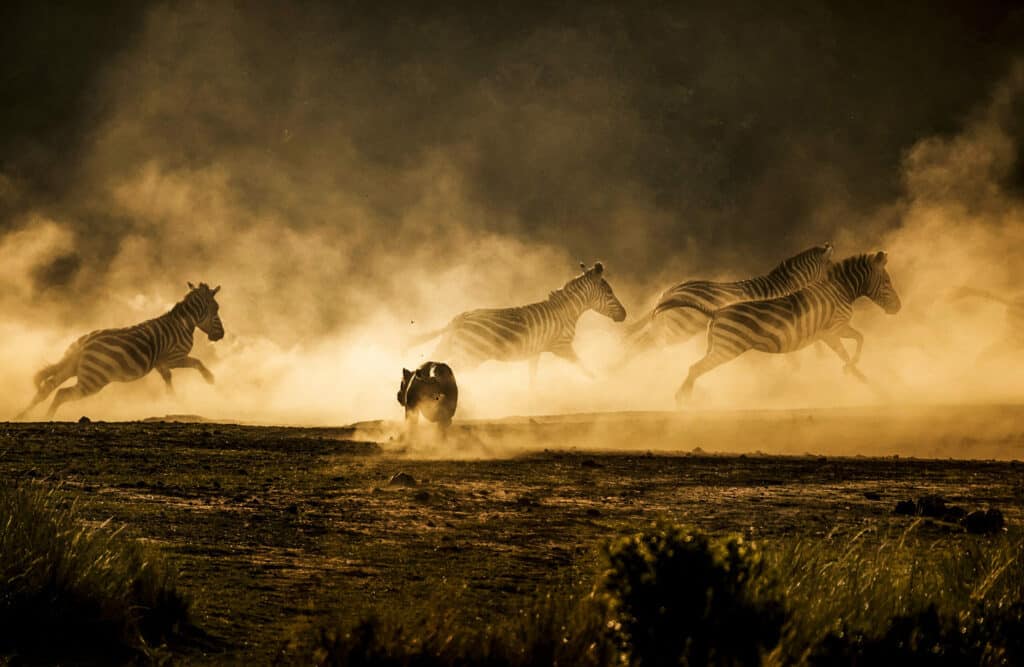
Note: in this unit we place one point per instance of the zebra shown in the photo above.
(524, 332)
(123, 355)
(679, 313)
(820, 311)
(1012, 337)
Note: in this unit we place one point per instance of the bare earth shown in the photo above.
(274, 529)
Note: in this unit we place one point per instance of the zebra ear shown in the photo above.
(191, 286)
(215, 290)
(406, 373)
(583, 266)
(881, 258)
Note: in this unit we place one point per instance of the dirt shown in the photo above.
(274, 529)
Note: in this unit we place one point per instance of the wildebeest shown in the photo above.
(430, 390)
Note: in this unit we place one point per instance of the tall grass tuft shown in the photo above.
(71, 591)
(892, 596)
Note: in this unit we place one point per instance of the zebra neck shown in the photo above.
(181, 319)
(566, 307)
(762, 287)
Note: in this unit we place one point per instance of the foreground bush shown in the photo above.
(74, 592)
(665, 597)
(675, 597)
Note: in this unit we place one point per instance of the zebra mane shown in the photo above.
(560, 293)
(846, 263)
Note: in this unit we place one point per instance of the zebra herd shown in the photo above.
(806, 298)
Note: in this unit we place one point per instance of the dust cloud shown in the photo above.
(349, 194)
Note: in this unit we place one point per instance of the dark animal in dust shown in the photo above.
(1012, 337)
(820, 311)
(123, 355)
(430, 390)
(524, 332)
(679, 314)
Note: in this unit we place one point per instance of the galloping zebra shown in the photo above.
(820, 311)
(1012, 337)
(123, 355)
(679, 314)
(524, 332)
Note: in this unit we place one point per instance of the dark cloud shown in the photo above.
(673, 140)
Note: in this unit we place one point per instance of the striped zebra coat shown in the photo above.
(122, 355)
(679, 314)
(820, 311)
(525, 332)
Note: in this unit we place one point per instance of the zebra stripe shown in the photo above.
(682, 310)
(820, 311)
(524, 332)
(123, 355)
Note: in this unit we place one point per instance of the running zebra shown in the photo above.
(123, 355)
(679, 314)
(1012, 336)
(524, 332)
(820, 311)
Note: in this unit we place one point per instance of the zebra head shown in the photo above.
(598, 294)
(879, 285)
(204, 310)
(807, 267)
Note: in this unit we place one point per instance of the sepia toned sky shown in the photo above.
(323, 160)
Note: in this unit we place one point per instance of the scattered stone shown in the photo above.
(84, 420)
(697, 450)
(873, 495)
(590, 463)
(593, 512)
(906, 507)
(292, 509)
(985, 523)
(979, 522)
(421, 496)
(931, 506)
(402, 479)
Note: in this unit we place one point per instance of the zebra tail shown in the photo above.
(55, 374)
(683, 302)
(638, 325)
(423, 338)
(964, 291)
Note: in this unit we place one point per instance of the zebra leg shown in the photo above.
(851, 333)
(837, 347)
(192, 362)
(39, 398)
(566, 352)
(72, 393)
(165, 373)
(713, 358)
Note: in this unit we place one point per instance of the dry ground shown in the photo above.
(276, 528)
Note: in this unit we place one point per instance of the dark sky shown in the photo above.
(740, 129)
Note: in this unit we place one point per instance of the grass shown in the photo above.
(71, 591)
(667, 595)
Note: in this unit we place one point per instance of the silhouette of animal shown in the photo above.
(430, 391)
(123, 355)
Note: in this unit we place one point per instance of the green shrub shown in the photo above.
(675, 597)
(71, 591)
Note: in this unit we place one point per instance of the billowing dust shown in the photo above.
(322, 290)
